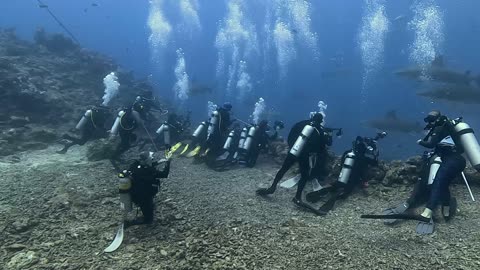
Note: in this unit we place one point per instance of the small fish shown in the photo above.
(94, 5)
(42, 6)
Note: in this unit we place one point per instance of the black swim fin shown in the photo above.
(316, 196)
(328, 205)
(403, 216)
(424, 228)
(308, 207)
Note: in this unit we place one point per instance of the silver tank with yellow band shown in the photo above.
(84, 120)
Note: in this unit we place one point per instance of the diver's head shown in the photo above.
(263, 124)
(227, 106)
(278, 125)
(432, 117)
(146, 158)
(316, 118)
(359, 146)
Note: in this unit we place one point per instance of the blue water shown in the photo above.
(120, 30)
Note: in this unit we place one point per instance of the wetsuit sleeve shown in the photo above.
(438, 134)
(165, 172)
(327, 138)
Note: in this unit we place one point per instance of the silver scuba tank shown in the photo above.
(229, 140)
(241, 142)
(84, 120)
(249, 139)
(199, 130)
(434, 166)
(347, 168)
(160, 129)
(116, 124)
(469, 143)
(302, 140)
(213, 122)
(166, 134)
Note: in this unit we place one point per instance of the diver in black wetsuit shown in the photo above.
(452, 165)
(217, 130)
(145, 185)
(260, 141)
(144, 103)
(91, 125)
(305, 138)
(125, 124)
(356, 163)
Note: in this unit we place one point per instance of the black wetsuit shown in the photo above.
(94, 128)
(316, 144)
(128, 124)
(260, 142)
(452, 166)
(145, 185)
(219, 134)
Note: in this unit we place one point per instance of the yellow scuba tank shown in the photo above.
(124, 187)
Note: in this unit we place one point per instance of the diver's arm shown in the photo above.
(436, 137)
(165, 172)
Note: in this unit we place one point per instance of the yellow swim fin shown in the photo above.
(184, 149)
(194, 152)
(175, 147)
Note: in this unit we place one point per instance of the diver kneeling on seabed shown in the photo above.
(140, 183)
(305, 138)
(355, 165)
(449, 140)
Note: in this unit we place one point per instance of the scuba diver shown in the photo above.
(125, 124)
(91, 126)
(305, 138)
(172, 130)
(355, 165)
(144, 103)
(216, 132)
(140, 183)
(448, 139)
(257, 140)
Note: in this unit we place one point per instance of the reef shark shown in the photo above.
(390, 122)
(465, 94)
(439, 73)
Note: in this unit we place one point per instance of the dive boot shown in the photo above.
(449, 211)
(265, 191)
(308, 207)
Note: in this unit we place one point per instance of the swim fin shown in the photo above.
(316, 196)
(291, 182)
(175, 147)
(307, 206)
(194, 152)
(327, 206)
(117, 241)
(184, 149)
(402, 216)
(265, 191)
(424, 228)
(399, 209)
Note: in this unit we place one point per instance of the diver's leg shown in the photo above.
(287, 164)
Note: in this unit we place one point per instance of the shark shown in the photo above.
(390, 122)
(437, 72)
(465, 94)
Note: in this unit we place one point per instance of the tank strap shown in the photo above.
(436, 162)
(121, 118)
(465, 131)
(347, 166)
(91, 118)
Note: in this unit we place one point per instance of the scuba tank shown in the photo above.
(434, 166)
(248, 141)
(165, 129)
(241, 142)
(468, 142)
(347, 168)
(116, 124)
(213, 122)
(302, 140)
(199, 130)
(84, 120)
(124, 187)
(228, 142)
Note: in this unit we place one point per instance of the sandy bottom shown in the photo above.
(60, 212)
